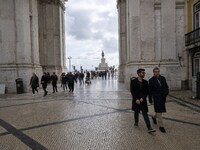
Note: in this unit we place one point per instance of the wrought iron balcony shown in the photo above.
(192, 37)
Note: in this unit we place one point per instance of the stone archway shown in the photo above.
(151, 34)
(31, 39)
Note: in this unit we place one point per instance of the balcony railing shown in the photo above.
(192, 37)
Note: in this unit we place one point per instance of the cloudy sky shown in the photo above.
(91, 26)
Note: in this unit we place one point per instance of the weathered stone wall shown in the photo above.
(51, 35)
(155, 37)
(18, 42)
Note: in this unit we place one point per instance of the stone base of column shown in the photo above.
(121, 74)
(171, 70)
(9, 73)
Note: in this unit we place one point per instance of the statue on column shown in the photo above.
(102, 54)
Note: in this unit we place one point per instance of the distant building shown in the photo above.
(103, 65)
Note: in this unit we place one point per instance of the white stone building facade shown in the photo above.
(31, 40)
(151, 34)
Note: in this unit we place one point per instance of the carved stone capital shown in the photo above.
(120, 1)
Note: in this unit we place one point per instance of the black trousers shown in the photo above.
(54, 87)
(64, 86)
(34, 89)
(44, 87)
(145, 116)
(71, 87)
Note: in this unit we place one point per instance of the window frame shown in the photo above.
(195, 12)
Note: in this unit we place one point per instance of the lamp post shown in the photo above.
(69, 62)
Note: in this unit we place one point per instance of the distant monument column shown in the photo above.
(103, 65)
(52, 35)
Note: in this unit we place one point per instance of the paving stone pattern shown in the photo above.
(94, 117)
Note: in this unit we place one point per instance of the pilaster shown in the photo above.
(147, 30)
(134, 30)
(122, 18)
(168, 12)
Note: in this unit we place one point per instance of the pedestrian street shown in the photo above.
(95, 117)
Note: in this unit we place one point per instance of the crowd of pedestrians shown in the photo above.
(67, 80)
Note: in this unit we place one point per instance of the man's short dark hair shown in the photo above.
(156, 68)
(140, 70)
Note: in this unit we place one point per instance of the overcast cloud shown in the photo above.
(91, 26)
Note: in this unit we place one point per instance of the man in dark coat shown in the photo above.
(70, 78)
(158, 90)
(54, 79)
(34, 83)
(139, 91)
(44, 81)
(81, 78)
(63, 81)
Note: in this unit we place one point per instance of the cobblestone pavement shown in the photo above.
(187, 96)
(95, 117)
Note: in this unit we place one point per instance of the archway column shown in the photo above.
(18, 42)
(121, 5)
(52, 35)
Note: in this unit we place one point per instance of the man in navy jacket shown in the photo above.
(158, 90)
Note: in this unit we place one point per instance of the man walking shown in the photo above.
(63, 82)
(158, 90)
(139, 91)
(54, 80)
(70, 80)
(44, 81)
(81, 78)
(34, 83)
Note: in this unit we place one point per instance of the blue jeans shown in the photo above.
(145, 116)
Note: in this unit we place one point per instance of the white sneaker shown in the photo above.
(33, 95)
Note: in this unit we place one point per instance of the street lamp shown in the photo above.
(69, 62)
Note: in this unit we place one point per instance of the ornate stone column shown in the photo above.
(52, 35)
(18, 42)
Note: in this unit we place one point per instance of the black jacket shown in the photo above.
(139, 90)
(158, 90)
(44, 80)
(34, 82)
(54, 79)
(70, 78)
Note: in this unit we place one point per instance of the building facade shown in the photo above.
(151, 34)
(31, 39)
(192, 40)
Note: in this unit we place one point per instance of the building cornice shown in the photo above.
(119, 2)
(61, 3)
